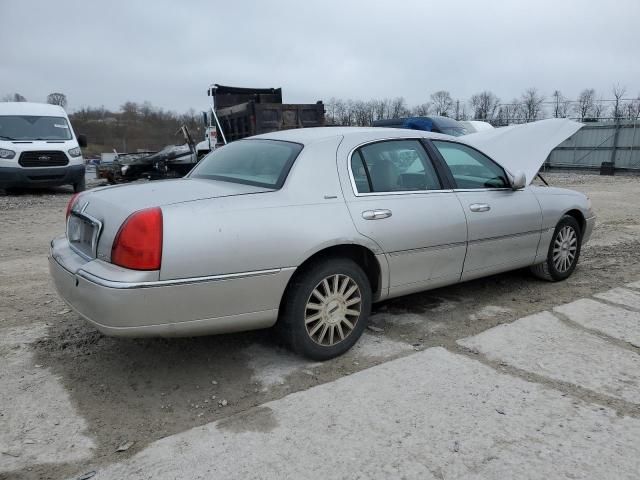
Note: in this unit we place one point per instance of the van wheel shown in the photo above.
(79, 186)
(564, 252)
(326, 309)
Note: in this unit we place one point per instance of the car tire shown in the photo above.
(80, 186)
(563, 253)
(318, 316)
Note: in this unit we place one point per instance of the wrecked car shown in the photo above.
(305, 229)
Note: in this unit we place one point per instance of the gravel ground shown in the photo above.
(142, 390)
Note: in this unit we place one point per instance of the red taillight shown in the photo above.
(138, 244)
(72, 202)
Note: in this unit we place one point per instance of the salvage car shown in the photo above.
(305, 229)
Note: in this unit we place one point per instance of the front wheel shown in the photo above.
(79, 186)
(563, 253)
(326, 309)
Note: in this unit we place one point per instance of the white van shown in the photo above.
(38, 147)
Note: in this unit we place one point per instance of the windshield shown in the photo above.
(263, 163)
(454, 131)
(30, 127)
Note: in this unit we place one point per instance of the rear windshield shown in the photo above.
(31, 127)
(263, 163)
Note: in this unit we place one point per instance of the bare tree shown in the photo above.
(57, 98)
(632, 109)
(584, 104)
(421, 110)
(618, 93)
(330, 110)
(531, 104)
(560, 105)
(598, 108)
(399, 107)
(360, 113)
(14, 97)
(380, 108)
(442, 103)
(484, 105)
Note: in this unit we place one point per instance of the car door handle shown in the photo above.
(479, 207)
(376, 214)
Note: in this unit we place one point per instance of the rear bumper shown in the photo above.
(185, 307)
(11, 177)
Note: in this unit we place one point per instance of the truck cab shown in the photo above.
(38, 147)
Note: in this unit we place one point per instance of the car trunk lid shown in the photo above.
(107, 208)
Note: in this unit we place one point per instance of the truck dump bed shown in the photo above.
(244, 112)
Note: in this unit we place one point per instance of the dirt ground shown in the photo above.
(141, 390)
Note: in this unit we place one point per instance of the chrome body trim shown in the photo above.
(512, 235)
(178, 281)
(426, 249)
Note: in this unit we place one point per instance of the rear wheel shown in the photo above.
(563, 253)
(326, 309)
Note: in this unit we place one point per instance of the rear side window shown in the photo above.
(263, 163)
(393, 166)
(470, 168)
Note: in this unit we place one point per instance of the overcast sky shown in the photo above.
(168, 52)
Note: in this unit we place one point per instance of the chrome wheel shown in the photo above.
(565, 248)
(332, 310)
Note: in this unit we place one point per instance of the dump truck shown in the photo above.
(243, 112)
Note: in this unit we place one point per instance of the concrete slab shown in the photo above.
(544, 345)
(613, 321)
(38, 422)
(431, 415)
(621, 296)
(271, 365)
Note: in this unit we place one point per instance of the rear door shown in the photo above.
(504, 225)
(397, 198)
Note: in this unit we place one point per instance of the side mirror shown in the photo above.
(82, 141)
(519, 181)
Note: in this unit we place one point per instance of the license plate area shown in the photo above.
(82, 234)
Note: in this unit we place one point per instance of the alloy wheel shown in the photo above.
(332, 310)
(565, 248)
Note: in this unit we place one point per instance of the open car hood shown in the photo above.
(523, 147)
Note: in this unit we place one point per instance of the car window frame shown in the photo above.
(450, 173)
(282, 178)
(445, 185)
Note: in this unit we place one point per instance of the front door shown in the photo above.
(504, 225)
(398, 201)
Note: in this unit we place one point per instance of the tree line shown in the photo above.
(142, 126)
(487, 106)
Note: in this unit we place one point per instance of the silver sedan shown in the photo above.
(305, 229)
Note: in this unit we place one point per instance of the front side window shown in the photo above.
(263, 163)
(393, 166)
(32, 127)
(470, 168)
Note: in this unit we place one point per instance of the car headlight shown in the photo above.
(75, 152)
(4, 153)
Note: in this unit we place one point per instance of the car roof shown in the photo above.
(31, 108)
(310, 135)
